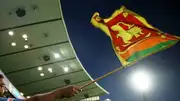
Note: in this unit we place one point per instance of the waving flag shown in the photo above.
(133, 38)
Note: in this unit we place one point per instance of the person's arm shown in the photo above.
(57, 94)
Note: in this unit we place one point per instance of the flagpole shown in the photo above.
(101, 77)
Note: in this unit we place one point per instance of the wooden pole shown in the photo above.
(99, 78)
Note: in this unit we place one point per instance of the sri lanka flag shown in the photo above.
(133, 38)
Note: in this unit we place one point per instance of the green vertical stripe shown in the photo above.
(156, 48)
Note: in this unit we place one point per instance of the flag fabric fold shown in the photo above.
(133, 38)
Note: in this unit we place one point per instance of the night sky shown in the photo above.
(96, 54)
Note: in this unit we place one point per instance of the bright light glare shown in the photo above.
(141, 81)
(13, 44)
(26, 46)
(66, 69)
(42, 74)
(50, 70)
(56, 55)
(39, 68)
(11, 33)
(28, 97)
(24, 36)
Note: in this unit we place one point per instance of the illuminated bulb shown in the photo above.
(56, 55)
(66, 69)
(26, 39)
(26, 46)
(24, 36)
(13, 44)
(50, 70)
(28, 97)
(11, 33)
(42, 74)
(39, 68)
(22, 94)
